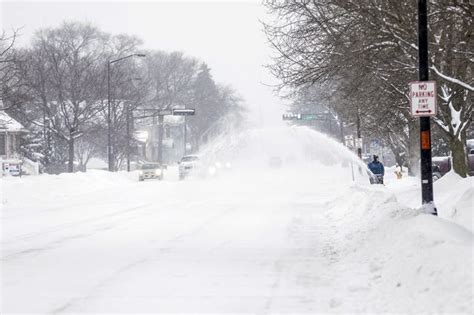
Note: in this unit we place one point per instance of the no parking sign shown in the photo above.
(423, 98)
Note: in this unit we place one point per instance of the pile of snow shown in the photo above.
(59, 188)
(454, 198)
(406, 260)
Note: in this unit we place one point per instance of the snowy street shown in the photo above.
(277, 240)
(236, 157)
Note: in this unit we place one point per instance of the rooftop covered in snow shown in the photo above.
(9, 124)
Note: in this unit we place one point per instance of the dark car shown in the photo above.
(441, 165)
(436, 173)
(470, 156)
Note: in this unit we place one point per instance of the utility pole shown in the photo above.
(110, 159)
(110, 144)
(128, 136)
(185, 135)
(341, 130)
(425, 122)
(359, 148)
(154, 128)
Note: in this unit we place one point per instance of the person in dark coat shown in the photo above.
(377, 169)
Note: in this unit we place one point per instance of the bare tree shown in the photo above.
(64, 71)
(9, 78)
(367, 43)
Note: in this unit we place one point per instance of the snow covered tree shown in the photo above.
(365, 44)
(64, 73)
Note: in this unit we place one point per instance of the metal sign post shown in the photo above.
(426, 112)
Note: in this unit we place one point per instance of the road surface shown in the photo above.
(271, 241)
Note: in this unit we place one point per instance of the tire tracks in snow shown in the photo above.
(77, 301)
(118, 215)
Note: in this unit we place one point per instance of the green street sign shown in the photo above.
(311, 116)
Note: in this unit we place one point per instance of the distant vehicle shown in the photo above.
(436, 173)
(187, 164)
(470, 156)
(275, 162)
(441, 166)
(151, 171)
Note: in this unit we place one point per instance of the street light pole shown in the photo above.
(128, 137)
(185, 135)
(110, 148)
(160, 138)
(109, 124)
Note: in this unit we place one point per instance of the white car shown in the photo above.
(150, 171)
(187, 164)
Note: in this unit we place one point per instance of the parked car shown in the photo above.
(441, 165)
(151, 171)
(188, 164)
(470, 156)
(436, 173)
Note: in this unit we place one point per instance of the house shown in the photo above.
(10, 140)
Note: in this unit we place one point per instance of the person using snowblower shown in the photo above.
(377, 169)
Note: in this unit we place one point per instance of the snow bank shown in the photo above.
(455, 199)
(60, 188)
(407, 261)
(453, 196)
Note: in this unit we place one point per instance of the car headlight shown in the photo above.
(158, 172)
(228, 165)
(218, 164)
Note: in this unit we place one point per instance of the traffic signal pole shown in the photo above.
(160, 138)
(185, 135)
(425, 122)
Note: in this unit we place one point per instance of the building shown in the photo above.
(10, 141)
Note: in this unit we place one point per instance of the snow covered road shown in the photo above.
(280, 240)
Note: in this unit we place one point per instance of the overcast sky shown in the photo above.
(227, 35)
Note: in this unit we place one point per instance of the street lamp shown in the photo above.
(110, 152)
